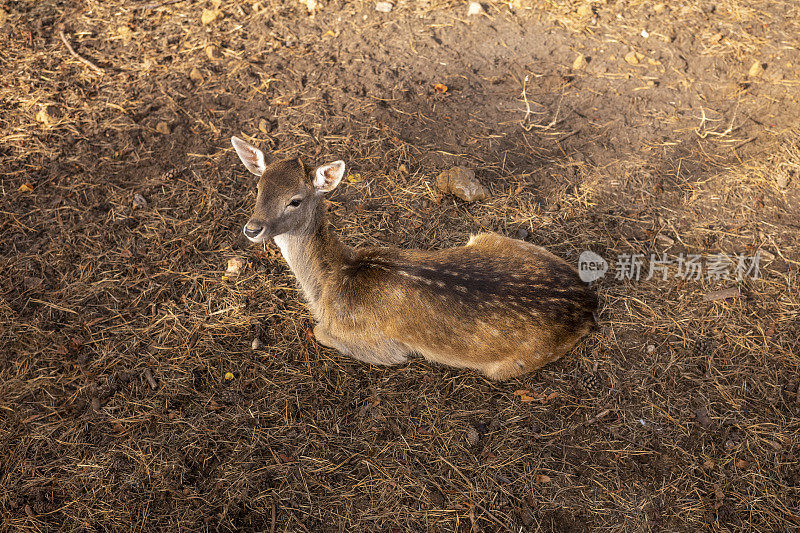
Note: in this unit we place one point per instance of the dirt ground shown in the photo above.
(131, 395)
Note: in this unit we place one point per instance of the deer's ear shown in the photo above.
(252, 157)
(327, 177)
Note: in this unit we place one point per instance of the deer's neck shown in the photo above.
(313, 253)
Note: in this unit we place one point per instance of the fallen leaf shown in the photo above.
(579, 63)
(162, 128)
(541, 478)
(25, 187)
(440, 88)
(708, 464)
(741, 464)
(228, 376)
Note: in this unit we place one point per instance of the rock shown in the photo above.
(461, 182)
(783, 180)
(651, 348)
(163, 128)
(756, 69)
(475, 8)
(579, 63)
(196, 76)
(212, 52)
(473, 436)
(702, 418)
(585, 10)
(210, 15)
(235, 266)
(139, 201)
(633, 58)
(384, 7)
(256, 344)
(311, 5)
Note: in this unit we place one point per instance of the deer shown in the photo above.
(503, 307)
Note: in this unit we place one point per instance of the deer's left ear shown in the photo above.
(327, 177)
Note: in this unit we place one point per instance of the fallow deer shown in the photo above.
(501, 306)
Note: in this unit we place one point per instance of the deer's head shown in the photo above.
(287, 192)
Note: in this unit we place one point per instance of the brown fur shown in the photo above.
(497, 305)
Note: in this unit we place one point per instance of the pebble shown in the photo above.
(209, 15)
(256, 344)
(475, 8)
(235, 266)
(585, 10)
(651, 348)
(162, 128)
(756, 69)
(383, 7)
(211, 52)
(783, 180)
(196, 76)
(139, 201)
(579, 63)
(473, 436)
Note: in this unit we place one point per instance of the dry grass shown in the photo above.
(118, 323)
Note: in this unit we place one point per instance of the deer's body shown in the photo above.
(497, 305)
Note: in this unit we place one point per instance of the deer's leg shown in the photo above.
(374, 350)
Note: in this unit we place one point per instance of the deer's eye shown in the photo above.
(295, 202)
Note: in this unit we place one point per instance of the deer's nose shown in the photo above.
(253, 229)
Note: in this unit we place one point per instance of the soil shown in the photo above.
(144, 387)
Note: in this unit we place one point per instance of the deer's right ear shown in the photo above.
(252, 157)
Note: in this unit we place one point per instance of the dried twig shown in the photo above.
(75, 54)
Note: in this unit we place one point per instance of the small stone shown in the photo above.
(585, 10)
(522, 234)
(437, 498)
(235, 266)
(311, 5)
(256, 344)
(579, 63)
(475, 8)
(645, 34)
(96, 404)
(659, 8)
(209, 15)
(139, 201)
(163, 128)
(196, 76)
(383, 7)
(702, 417)
(756, 70)
(651, 348)
(473, 436)
(212, 52)
(783, 180)
(633, 58)
(461, 182)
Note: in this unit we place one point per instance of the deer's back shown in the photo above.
(493, 288)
